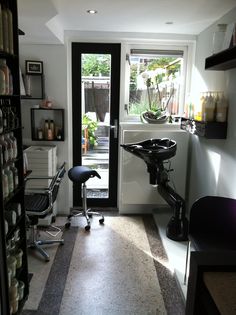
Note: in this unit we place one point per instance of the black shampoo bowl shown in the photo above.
(154, 152)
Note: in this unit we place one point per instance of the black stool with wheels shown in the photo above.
(80, 175)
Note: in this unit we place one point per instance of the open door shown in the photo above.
(95, 103)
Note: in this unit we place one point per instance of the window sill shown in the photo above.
(141, 126)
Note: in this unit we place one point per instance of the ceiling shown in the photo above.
(45, 21)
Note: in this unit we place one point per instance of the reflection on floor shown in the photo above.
(116, 269)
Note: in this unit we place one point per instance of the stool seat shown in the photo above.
(80, 174)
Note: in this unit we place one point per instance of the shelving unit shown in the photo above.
(224, 60)
(210, 130)
(34, 87)
(38, 118)
(12, 232)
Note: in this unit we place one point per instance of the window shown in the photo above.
(156, 81)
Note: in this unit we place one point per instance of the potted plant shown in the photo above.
(157, 100)
(92, 126)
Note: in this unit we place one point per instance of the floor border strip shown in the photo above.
(53, 292)
(172, 297)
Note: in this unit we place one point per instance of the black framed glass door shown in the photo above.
(95, 105)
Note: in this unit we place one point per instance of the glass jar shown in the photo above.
(5, 69)
(5, 153)
(18, 256)
(15, 175)
(11, 217)
(11, 263)
(14, 304)
(14, 140)
(9, 276)
(9, 174)
(13, 291)
(21, 288)
(5, 188)
(6, 227)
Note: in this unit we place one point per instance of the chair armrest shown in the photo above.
(45, 189)
(31, 191)
(39, 177)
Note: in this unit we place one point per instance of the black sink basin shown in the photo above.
(152, 151)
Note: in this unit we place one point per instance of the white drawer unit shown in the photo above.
(42, 161)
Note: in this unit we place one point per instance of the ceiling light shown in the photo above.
(169, 23)
(92, 11)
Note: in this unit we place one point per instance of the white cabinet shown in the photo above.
(42, 161)
(136, 195)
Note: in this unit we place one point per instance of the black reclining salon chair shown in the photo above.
(38, 204)
(212, 226)
(80, 175)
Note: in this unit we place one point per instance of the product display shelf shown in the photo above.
(34, 87)
(210, 130)
(13, 245)
(42, 116)
(223, 60)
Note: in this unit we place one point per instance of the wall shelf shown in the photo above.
(223, 60)
(34, 87)
(209, 130)
(39, 116)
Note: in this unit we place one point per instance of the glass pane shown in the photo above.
(155, 83)
(96, 71)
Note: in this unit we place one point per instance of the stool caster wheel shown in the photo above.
(87, 228)
(67, 225)
(101, 221)
(90, 216)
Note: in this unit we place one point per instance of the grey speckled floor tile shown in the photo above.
(112, 271)
(117, 269)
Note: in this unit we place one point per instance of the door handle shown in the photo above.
(115, 128)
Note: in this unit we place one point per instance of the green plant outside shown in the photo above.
(153, 105)
(92, 126)
(96, 64)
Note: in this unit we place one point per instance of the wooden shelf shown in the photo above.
(224, 60)
(209, 130)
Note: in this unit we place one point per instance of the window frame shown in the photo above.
(188, 49)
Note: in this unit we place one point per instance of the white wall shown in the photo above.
(213, 162)
(55, 71)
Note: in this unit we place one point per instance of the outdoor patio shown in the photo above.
(98, 159)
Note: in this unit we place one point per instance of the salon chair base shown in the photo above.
(75, 212)
(34, 243)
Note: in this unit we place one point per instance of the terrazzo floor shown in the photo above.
(119, 268)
